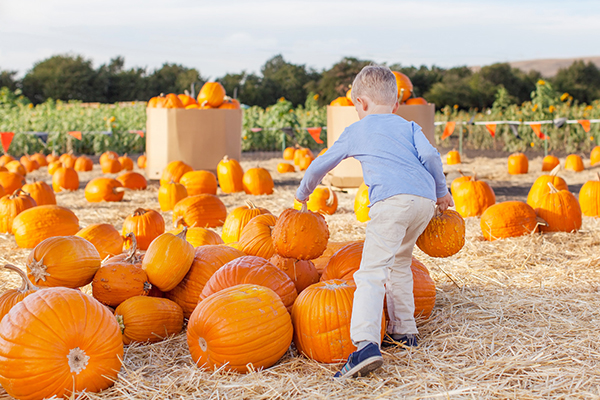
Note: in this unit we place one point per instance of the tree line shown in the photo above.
(72, 77)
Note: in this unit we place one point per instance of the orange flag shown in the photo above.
(585, 124)
(75, 134)
(141, 133)
(315, 133)
(449, 129)
(492, 129)
(6, 138)
(537, 128)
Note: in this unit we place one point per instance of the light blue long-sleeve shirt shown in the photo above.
(395, 155)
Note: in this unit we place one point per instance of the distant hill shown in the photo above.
(548, 67)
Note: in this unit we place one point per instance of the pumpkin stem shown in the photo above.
(119, 189)
(250, 205)
(555, 170)
(331, 197)
(139, 211)
(461, 173)
(121, 323)
(304, 207)
(179, 221)
(183, 233)
(17, 192)
(78, 360)
(131, 257)
(225, 158)
(147, 287)
(26, 284)
(552, 188)
(38, 270)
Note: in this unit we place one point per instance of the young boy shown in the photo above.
(405, 178)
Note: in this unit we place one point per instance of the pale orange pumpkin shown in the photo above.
(69, 261)
(53, 166)
(453, 157)
(288, 153)
(549, 163)
(59, 342)
(217, 337)
(141, 161)
(83, 163)
(207, 260)
(230, 175)
(255, 238)
(361, 203)
(41, 192)
(595, 156)
(16, 167)
(65, 179)
(252, 270)
(258, 181)
(11, 206)
(148, 319)
(589, 198)
(35, 224)
(133, 180)
(283, 168)
(518, 164)
(573, 162)
(103, 189)
(105, 238)
(5, 159)
(202, 210)
(199, 182)
(199, 236)
(145, 224)
(168, 259)
(238, 219)
(170, 194)
(174, 171)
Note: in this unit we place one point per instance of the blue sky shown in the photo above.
(231, 36)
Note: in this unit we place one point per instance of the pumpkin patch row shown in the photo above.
(212, 95)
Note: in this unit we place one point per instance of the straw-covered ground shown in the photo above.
(514, 318)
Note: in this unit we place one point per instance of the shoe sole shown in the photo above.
(363, 368)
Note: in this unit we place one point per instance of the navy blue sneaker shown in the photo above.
(394, 339)
(361, 362)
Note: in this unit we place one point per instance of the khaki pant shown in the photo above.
(395, 225)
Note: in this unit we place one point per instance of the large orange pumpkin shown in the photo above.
(11, 181)
(126, 163)
(83, 163)
(199, 182)
(141, 161)
(595, 156)
(41, 192)
(444, 236)
(133, 180)
(11, 206)
(341, 101)
(168, 259)
(332, 247)
(186, 100)
(238, 219)
(35, 224)
(549, 163)
(65, 179)
(199, 236)
(405, 86)
(107, 155)
(148, 319)
(300, 234)
(322, 200)
(207, 260)
(201, 210)
(54, 166)
(111, 166)
(58, 341)
(560, 210)
(217, 336)
(473, 197)
(69, 261)
(29, 164)
(589, 198)
(453, 157)
(457, 181)
(344, 262)
(253, 270)
(146, 225)
(302, 272)
(508, 219)
(170, 194)
(40, 158)
(174, 171)
(230, 174)
(103, 189)
(258, 181)
(288, 153)
(573, 162)
(321, 318)
(11, 297)
(284, 168)
(105, 238)
(16, 168)
(540, 187)
(213, 93)
(172, 101)
(361, 203)
(255, 238)
(518, 164)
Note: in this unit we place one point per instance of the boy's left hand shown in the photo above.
(444, 202)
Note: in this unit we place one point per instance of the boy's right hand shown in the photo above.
(444, 202)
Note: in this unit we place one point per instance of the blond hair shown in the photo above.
(376, 82)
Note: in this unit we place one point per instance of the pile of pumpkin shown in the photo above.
(247, 294)
(301, 156)
(212, 95)
(405, 91)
